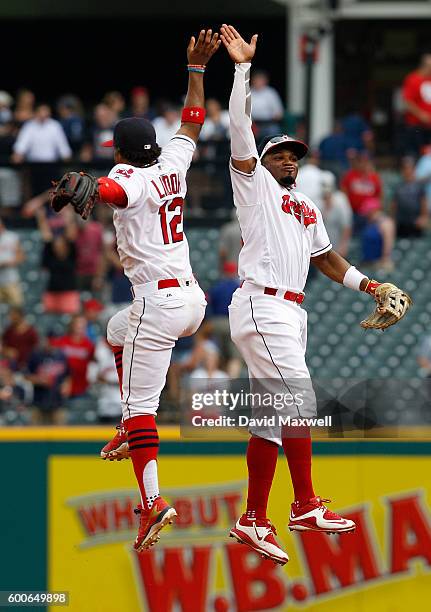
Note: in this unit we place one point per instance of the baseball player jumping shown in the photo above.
(147, 187)
(282, 231)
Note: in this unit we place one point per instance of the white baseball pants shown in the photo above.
(271, 334)
(148, 330)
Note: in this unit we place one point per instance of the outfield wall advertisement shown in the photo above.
(385, 566)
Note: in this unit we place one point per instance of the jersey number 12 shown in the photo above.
(170, 231)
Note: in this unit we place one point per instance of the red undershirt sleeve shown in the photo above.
(111, 192)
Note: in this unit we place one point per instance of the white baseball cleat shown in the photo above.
(315, 516)
(259, 535)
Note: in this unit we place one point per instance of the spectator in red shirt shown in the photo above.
(417, 99)
(19, 338)
(79, 351)
(89, 253)
(359, 183)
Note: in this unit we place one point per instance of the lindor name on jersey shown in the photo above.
(167, 185)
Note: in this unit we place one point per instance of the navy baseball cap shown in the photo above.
(133, 134)
(285, 142)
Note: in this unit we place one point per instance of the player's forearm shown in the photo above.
(338, 269)
(243, 145)
(195, 93)
(332, 265)
(195, 100)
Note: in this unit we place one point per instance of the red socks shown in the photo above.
(298, 454)
(261, 461)
(144, 446)
(118, 356)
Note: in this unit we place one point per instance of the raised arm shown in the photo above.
(243, 145)
(198, 55)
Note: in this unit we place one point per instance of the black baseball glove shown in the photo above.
(78, 189)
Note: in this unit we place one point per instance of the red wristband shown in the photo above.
(193, 114)
(111, 192)
(371, 287)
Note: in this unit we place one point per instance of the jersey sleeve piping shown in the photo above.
(321, 251)
(184, 137)
(232, 167)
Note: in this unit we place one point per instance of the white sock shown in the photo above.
(151, 482)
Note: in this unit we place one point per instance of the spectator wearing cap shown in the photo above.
(219, 298)
(377, 236)
(337, 214)
(417, 100)
(409, 203)
(423, 173)
(268, 109)
(11, 256)
(167, 125)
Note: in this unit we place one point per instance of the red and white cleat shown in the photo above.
(151, 522)
(315, 516)
(118, 447)
(259, 535)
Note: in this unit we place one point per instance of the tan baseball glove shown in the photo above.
(392, 305)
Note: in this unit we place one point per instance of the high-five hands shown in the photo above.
(239, 50)
(201, 50)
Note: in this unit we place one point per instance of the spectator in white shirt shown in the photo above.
(167, 125)
(267, 106)
(42, 142)
(311, 177)
(337, 214)
(41, 139)
(102, 371)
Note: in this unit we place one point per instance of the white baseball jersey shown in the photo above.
(281, 229)
(150, 239)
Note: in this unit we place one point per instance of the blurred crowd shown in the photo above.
(48, 377)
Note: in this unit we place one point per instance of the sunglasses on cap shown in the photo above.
(296, 146)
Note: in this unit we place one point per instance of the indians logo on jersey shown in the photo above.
(299, 210)
(124, 172)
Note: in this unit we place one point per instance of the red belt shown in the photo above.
(289, 295)
(169, 282)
